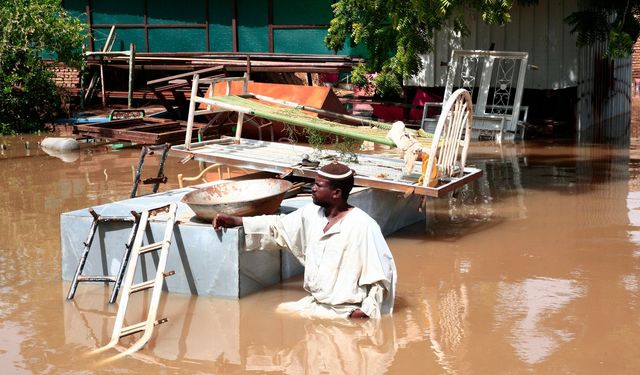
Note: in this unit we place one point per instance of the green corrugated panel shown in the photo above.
(302, 12)
(300, 41)
(220, 32)
(177, 40)
(76, 8)
(253, 32)
(309, 41)
(164, 12)
(352, 50)
(118, 11)
(124, 37)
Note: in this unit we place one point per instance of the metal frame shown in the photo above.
(498, 115)
(284, 159)
(373, 171)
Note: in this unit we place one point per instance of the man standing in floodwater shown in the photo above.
(349, 269)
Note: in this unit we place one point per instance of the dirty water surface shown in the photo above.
(535, 268)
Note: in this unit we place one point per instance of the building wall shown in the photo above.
(539, 30)
(257, 26)
(603, 105)
(604, 96)
(635, 68)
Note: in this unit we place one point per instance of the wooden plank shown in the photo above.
(147, 131)
(188, 75)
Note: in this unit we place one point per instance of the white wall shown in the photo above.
(539, 30)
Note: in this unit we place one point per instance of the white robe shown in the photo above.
(348, 267)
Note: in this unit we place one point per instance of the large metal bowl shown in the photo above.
(240, 198)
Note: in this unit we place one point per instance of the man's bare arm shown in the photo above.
(226, 221)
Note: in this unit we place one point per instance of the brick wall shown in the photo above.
(65, 77)
(635, 58)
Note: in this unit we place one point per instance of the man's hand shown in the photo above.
(226, 221)
(358, 314)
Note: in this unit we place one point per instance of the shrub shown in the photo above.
(31, 30)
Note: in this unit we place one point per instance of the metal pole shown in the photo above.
(136, 179)
(82, 73)
(102, 90)
(165, 152)
(85, 253)
(132, 57)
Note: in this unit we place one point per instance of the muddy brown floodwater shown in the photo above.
(534, 269)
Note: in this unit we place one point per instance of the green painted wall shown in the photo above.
(299, 12)
(253, 21)
(177, 40)
(300, 41)
(167, 12)
(117, 11)
(190, 32)
(220, 32)
(124, 37)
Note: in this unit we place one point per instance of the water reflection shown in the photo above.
(215, 334)
(65, 156)
(448, 325)
(524, 307)
(533, 269)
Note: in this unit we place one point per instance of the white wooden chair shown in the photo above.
(451, 139)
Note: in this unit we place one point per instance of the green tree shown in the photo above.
(397, 32)
(612, 21)
(30, 30)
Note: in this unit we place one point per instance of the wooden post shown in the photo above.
(245, 89)
(106, 48)
(239, 126)
(132, 56)
(82, 74)
(102, 90)
(192, 110)
(248, 67)
(245, 84)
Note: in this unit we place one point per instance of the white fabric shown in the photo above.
(350, 266)
(410, 147)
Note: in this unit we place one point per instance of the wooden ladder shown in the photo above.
(128, 288)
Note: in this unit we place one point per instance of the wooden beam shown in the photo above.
(234, 24)
(270, 22)
(90, 23)
(154, 26)
(300, 26)
(206, 22)
(146, 22)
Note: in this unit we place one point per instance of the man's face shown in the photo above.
(322, 192)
